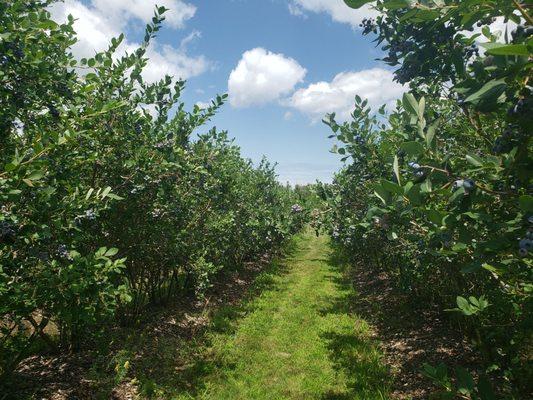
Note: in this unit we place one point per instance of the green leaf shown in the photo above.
(526, 203)
(435, 216)
(414, 195)
(459, 193)
(412, 148)
(395, 4)
(459, 247)
(463, 305)
(114, 196)
(396, 168)
(474, 160)
(426, 186)
(485, 389)
(410, 104)
(431, 133)
(111, 252)
(421, 107)
(10, 166)
(35, 175)
(465, 382)
(356, 3)
(106, 191)
(89, 192)
(382, 194)
(501, 49)
(490, 92)
(392, 187)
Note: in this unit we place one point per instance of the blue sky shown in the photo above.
(285, 63)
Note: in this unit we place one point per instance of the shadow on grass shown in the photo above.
(354, 354)
(164, 356)
(411, 333)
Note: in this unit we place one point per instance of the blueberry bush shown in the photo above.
(109, 199)
(438, 191)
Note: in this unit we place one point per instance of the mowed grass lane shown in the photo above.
(298, 339)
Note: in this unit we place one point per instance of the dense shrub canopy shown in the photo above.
(438, 192)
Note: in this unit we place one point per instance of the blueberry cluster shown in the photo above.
(7, 232)
(509, 139)
(418, 172)
(472, 50)
(90, 215)
(446, 240)
(401, 47)
(525, 244)
(157, 212)
(485, 21)
(43, 256)
(522, 32)
(53, 111)
(381, 222)
(62, 252)
(521, 108)
(359, 140)
(164, 144)
(368, 25)
(467, 184)
(15, 49)
(401, 156)
(408, 72)
(296, 208)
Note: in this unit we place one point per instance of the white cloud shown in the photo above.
(376, 85)
(175, 62)
(98, 23)
(337, 9)
(262, 77)
(121, 10)
(191, 37)
(296, 10)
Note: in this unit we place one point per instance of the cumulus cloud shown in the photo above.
(121, 10)
(337, 9)
(262, 77)
(376, 85)
(96, 24)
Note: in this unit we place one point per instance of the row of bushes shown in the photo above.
(438, 192)
(109, 198)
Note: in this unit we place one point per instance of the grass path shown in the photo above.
(296, 340)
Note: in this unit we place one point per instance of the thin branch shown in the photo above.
(523, 11)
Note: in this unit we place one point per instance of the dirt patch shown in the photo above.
(410, 335)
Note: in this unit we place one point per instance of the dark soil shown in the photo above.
(410, 336)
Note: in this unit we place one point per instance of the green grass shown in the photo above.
(298, 339)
